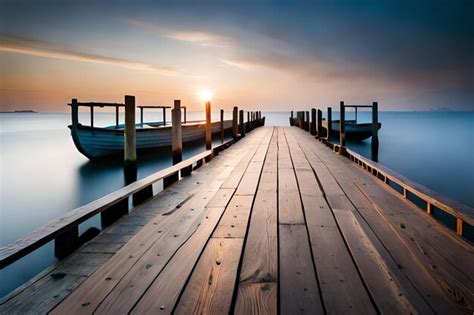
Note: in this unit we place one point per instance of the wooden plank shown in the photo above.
(234, 221)
(210, 288)
(290, 210)
(299, 292)
(405, 246)
(116, 270)
(260, 298)
(33, 296)
(221, 198)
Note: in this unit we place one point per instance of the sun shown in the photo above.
(205, 95)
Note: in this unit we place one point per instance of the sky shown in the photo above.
(259, 55)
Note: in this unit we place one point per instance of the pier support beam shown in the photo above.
(342, 129)
(248, 122)
(221, 125)
(319, 121)
(306, 121)
(130, 146)
(66, 243)
(234, 122)
(241, 123)
(208, 126)
(329, 128)
(313, 121)
(375, 132)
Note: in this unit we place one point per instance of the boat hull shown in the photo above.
(96, 143)
(354, 132)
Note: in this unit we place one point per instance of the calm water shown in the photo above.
(43, 175)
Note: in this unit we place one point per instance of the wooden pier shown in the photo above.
(276, 223)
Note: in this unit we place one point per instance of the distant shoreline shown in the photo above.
(20, 111)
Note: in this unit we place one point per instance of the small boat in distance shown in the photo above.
(99, 142)
(353, 130)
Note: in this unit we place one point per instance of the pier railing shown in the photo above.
(456, 216)
(65, 230)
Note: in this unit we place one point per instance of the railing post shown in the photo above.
(176, 142)
(301, 119)
(141, 116)
(329, 128)
(313, 121)
(241, 123)
(342, 129)
(185, 110)
(291, 118)
(319, 126)
(66, 243)
(164, 116)
(222, 125)
(375, 129)
(74, 113)
(234, 122)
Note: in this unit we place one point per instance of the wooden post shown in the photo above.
(329, 128)
(185, 114)
(92, 116)
(66, 243)
(241, 123)
(313, 121)
(319, 126)
(130, 147)
(141, 116)
(248, 122)
(116, 116)
(301, 119)
(176, 133)
(342, 129)
(375, 129)
(208, 126)
(74, 113)
(222, 125)
(234, 122)
(164, 116)
(306, 121)
(291, 118)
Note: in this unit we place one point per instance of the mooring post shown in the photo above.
(319, 126)
(164, 116)
(141, 116)
(208, 126)
(306, 126)
(241, 123)
(130, 149)
(329, 128)
(185, 110)
(116, 116)
(176, 143)
(313, 121)
(375, 131)
(221, 125)
(234, 122)
(248, 122)
(300, 119)
(342, 129)
(92, 116)
(291, 118)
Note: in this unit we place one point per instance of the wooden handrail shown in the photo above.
(459, 210)
(48, 232)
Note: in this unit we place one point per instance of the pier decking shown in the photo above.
(277, 223)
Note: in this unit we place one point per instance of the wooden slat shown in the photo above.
(164, 292)
(259, 271)
(210, 289)
(233, 223)
(299, 291)
(407, 248)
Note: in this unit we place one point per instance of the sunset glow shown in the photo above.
(205, 95)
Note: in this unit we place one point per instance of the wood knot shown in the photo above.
(58, 275)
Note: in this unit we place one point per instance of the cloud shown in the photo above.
(54, 51)
(201, 38)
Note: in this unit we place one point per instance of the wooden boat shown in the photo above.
(97, 142)
(354, 131)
